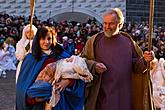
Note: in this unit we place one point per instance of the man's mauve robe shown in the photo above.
(117, 53)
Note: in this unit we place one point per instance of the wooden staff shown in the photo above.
(32, 6)
(149, 49)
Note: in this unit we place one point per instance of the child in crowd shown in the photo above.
(23, 46)
(6, 62)
(158, 82)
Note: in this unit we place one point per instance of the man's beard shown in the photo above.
(108, 33)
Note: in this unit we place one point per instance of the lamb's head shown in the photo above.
(81, 68)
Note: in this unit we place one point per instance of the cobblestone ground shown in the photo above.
(7, 91)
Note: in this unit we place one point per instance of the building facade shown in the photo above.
(138, 10)
(62, 9)
(81, 10)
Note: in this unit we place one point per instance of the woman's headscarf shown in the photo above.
(27, 28)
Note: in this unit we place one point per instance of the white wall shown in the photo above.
(43, 8)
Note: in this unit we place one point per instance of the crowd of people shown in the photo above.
(73, 35)
(50, 41)
(139, 32)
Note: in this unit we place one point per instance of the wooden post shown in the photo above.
(32, 6)
(149, 49)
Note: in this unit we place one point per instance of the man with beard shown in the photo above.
(117, 65)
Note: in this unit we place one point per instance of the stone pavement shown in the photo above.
(7, 91)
